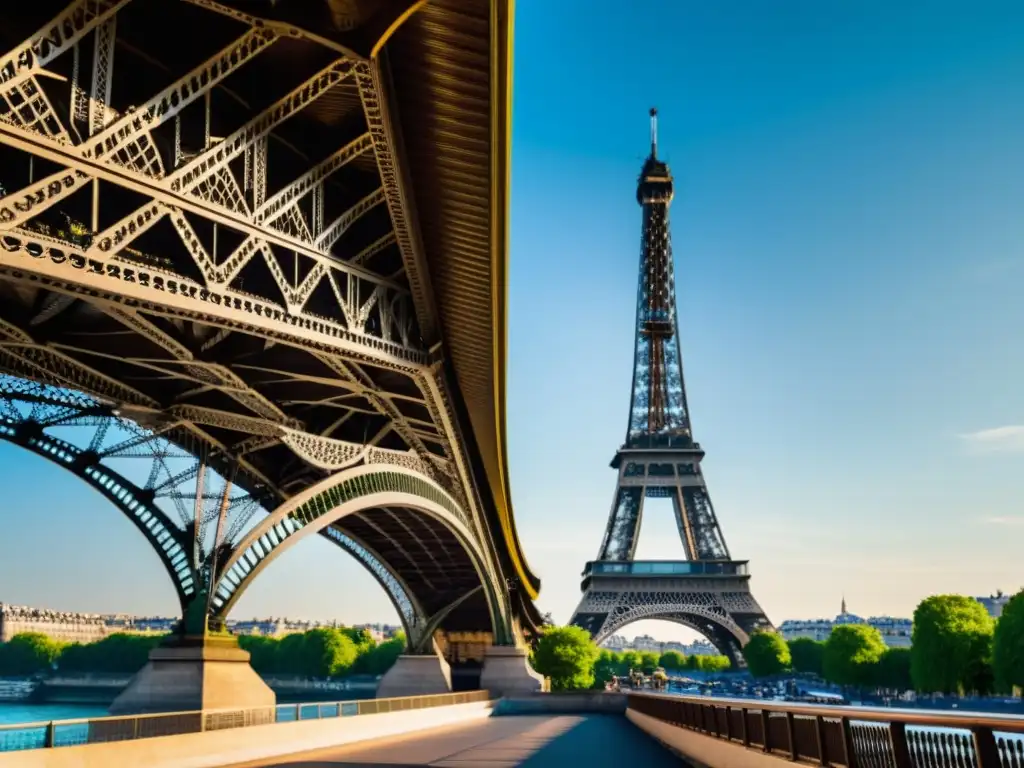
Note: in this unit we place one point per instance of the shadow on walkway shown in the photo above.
(575, 741)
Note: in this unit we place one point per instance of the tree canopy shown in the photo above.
(952, 645)
(567, 656)
(321, 652)
(706, 663)
(605, 668)
(28, 653)
(766, 654)
(1008, 644)
(851, 653)
(648, 662)
(628, 661)
(610, 664)
(120, 652)
(380, 658)
(893, 670)
(328, 652)
(671, 660)
(807, 655)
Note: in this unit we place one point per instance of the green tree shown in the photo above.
(671, 660)
(127, 653)
(807, 655)
(290, 658)
(119, 653)
(851, 653)
(379, 659)
(628, 661)
(328, 652)
(892, 670)
(73, 658)
(715, 663)
(707, 663)
(981, 677)
(1008, 645)
(648, 662)
(361, 639)
(951, 644)
(567, 656)
(766, 654)
(322, 652)
(262, 650)
(28, 653)
(605, 668)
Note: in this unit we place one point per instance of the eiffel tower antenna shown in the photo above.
(654, 131)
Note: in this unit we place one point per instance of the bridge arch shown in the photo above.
(410, 611)
(432, 565)
(85, 435)
(28, 431)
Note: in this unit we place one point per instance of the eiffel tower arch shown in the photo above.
(708, 591)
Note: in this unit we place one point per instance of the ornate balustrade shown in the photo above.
(847, 737)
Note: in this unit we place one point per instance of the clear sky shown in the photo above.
(850, 269)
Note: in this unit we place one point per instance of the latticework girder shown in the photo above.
(101, 235)
(221, 242)
(412, 519)
(195, 506)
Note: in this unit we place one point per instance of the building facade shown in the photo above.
(75, 627)
(647, 643)
(994, 604)
(278, 627)
(66, 626)
(895, 632)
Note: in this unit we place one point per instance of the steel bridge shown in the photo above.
(253, 264)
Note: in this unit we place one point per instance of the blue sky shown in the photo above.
(850, 260)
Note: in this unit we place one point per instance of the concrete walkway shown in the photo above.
(501, 742)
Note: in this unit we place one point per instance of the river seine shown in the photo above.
(12, 712)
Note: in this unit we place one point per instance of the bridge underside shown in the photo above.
(163, 486)
(430, 560)
(248, 236)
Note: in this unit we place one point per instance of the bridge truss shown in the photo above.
(188, 505)
(214, 250)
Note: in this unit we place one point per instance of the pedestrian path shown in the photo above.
(500, 742)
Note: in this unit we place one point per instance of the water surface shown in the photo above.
(12, 712)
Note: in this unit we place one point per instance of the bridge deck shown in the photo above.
(500, 742)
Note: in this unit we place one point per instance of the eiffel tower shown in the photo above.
(709, 591)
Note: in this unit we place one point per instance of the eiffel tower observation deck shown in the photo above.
(708, 591)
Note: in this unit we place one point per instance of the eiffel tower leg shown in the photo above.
(620, 538)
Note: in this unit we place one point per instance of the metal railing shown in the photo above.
(67, 733)
(846, 736)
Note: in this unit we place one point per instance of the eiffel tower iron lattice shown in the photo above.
(709, 591)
